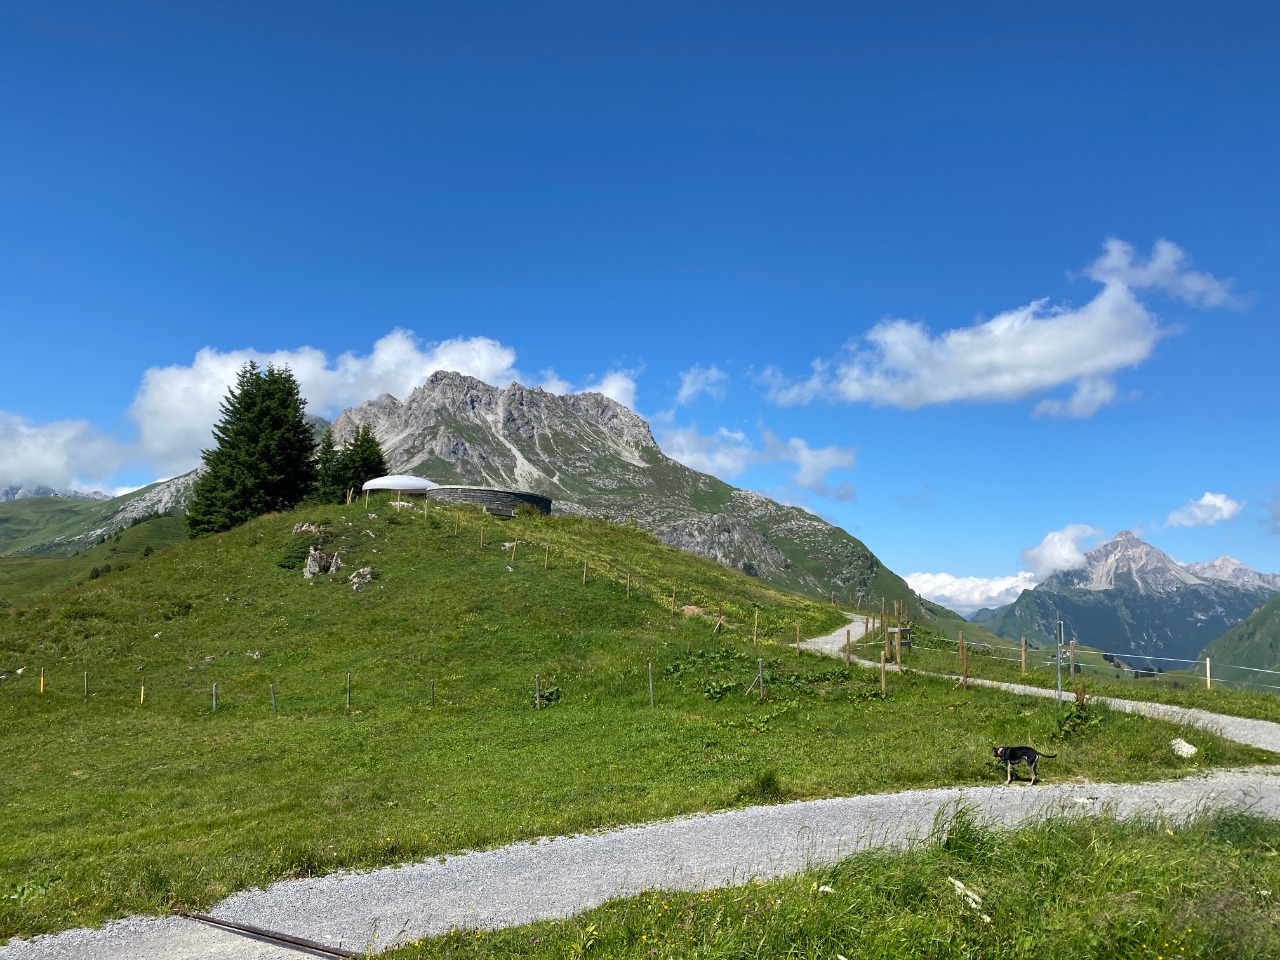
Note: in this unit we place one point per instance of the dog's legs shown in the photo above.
(1031, 765)
(1009, 769)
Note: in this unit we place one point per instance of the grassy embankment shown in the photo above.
(115, 805)
(1058, 890)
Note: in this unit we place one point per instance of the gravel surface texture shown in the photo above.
(562, 876)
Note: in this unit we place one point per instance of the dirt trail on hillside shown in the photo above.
(566, 875)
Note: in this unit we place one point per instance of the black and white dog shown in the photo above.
(1014, 755)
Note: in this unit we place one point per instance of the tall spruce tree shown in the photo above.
(330, 482)
(361, 460)
(264, 458)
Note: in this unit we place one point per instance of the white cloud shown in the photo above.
(698, 380)
(724, 454)
(1019, 353)
(550, 381)
(1210, 509)
(176, 406)
(64, 454)
(1059, 550)
(729, 453)
(1166, 270)
(812, 464)
(965, 595)
(618, 385)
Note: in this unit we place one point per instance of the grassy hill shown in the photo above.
(140, 797)
(29, 576)
(1254, 642)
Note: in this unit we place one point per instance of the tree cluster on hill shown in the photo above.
(266, 456)
(342, 471)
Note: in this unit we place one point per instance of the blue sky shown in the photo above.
(984, 284)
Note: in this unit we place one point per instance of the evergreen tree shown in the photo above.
(361, 460)
(330, 485)
(264, 458)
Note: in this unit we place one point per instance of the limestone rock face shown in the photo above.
(594, 457)
(319, 562)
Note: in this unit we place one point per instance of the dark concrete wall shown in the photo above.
(489, 498)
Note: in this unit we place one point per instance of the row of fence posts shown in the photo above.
(1071, 662)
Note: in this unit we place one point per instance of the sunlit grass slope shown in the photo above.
(1061, 889)
(142, 798)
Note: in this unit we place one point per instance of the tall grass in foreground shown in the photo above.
(1095, 888)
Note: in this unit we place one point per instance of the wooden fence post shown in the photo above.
(884, 682)
(848, 639)
(537, 691)
(1024, 656)
(584, 572)
(755, 628)
(1071, 657)
(1208, 676)
(797, 638)
(546, 558)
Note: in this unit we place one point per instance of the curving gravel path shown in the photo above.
(563, 876)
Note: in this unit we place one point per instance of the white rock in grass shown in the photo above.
(1183, 749)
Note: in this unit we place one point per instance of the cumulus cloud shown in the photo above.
(727, 454)
(1165, 270)
(617, 385)
(1019, 353)
(1210, 509)
(966, 595)
(812, 464)
(1059, 550)
(176, 406)
(698, 380)
(64, 454)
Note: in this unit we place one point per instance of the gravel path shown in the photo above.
(563, 876)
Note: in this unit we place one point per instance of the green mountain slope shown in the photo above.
(1254, 642)
(29, 576)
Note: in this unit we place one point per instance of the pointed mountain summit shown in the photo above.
(594, 457)
(1125, 562)
(1133, 600)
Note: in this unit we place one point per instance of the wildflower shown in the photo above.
(973, 901)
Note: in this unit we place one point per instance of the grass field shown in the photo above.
(1061, 889)
(141, 798)
(22, 578)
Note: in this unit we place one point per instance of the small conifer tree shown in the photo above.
(361, 460)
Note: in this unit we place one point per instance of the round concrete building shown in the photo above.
(501, 503)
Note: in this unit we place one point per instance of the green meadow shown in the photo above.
(142, 798)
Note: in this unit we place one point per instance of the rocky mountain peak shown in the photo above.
(1230, 570)
(1130, 563)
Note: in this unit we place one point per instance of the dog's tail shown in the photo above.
(1051, 756)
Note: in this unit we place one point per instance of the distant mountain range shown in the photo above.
(29, 491)
(1132, 600)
